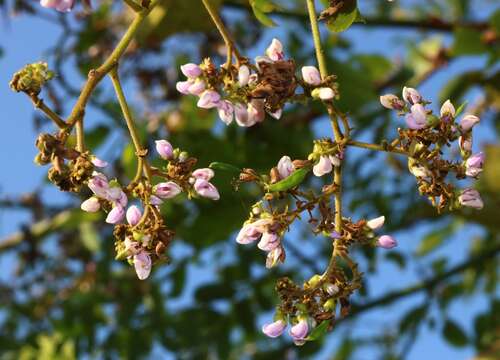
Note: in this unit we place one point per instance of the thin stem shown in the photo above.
(39, 104)
(139, 150)
(133, 5)
(80, 136)
(228, 40)
(311, 8)
(376, 147)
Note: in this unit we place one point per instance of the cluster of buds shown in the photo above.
(246, 92)
(31, 78)
(424, 141)
(70, 168)
(144, 238)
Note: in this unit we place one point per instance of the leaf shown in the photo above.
(467, 42)
(344, 17)
(435, 239)
(318, 331)
(261, 8)
(96, 136)
(413, 317)
(461, 108)
(90, 236)
(293, 180)
(224, 167)
(454, 334)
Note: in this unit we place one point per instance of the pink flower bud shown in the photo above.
(386, 242)
(204, 174)
(132, 247)
(155, 200)
(209, 99)
(134, 215)
(191, 70)
(447, 110)
(248, 234)
(274, 329)
(183, 86)
(164, 149)
(269, 241)
(376, 223)
(474, 165)
(91, 205)
(206, 189)
(311, 75)
(411, 95)
(465, 143)
(167, 190)
(226, 111)
(99, 185)
(417, 119)
(142, 265)
(326, 93)
(324, 166)
(273, 257)
(299, 331)
(256, 111)
(116, 215)
(275, 50)
(197, 88)
(468, 122)
(335, 160)
(241, 115)
(471, 198)
(98, 162)
(392, 102)
(59, 5)
(243, 75)
(285, 167)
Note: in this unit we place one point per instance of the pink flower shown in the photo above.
(134, 215)
(116, 195)
(285, 167)
(164, 149)
(241, 115)
(392, 102)
(324, 166)
(468, 122)
(204, 174)
(226, 111)
(248, 234)
(206, 189)
(273, 257)
(311, 75)
(183, 86)
(132, 247)
(91, 205)
(447, 111)
(411, 95)
(209, 99)
(471, 198)
(243, 75)
(197, 88)
(274, 329)
(474, 165)
(269, 241)
(376, 223)
(167, 190)
(386, 242)
(417, 118)
(142, 265)
(99, 185)
(59, 5)
(191, 70)
(275, 50)
(256, 111)
(116, 215)
(299, 331)
(465, 142)
(98, 162)
(155, 200)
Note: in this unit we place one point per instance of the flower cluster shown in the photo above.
(298, 332)
(245, 93)
(424, 140)
(31, 78)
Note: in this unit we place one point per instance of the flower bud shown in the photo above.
(313, 281)
(311, 75)
(116, 215)
(209, 99)
(205, 174)
(274, 329)
(98, 162)
(206, 189)
(474, 165)
(329, 305)
(465, 143)
(183, 86)
(447, 111)
(392, 102)
(324, 93)
(324, 166)
(468, 122)
(256, 111)
(417, 118)
(134, 215)
(155, 200)
(226, 111)
(99, 185)
(164, 149)
(285, 167)
(411, 95)
(59, 5)
(331, 289)
(299, 331)
(269, 241)
(376, 223)
(167, 190)
(191, 70)
(91, 205)
(142, 265)
(248, 234)
(273, 257)
(471, 198)
(197, 88)
(275, 50)
(243, 75)
(241, 115)
(386, 242)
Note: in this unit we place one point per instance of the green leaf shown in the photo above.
(461, 108)
(413, 317)
(454, 334)
(318, 331)
(435, 239)
(467, 42)
(344, 17)
(261, 8)
(293, 180)
(90, 236)
(224, 167)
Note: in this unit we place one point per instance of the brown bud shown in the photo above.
(275, 175)
(160, 249)
(300, 163)
(248, 175)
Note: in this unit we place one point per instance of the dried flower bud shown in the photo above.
(31, 78)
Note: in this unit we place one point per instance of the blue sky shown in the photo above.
(25, 39)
